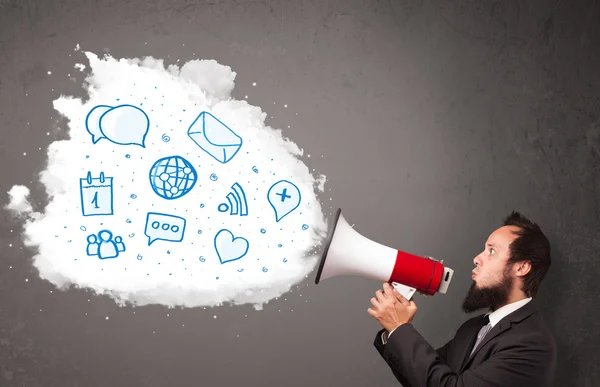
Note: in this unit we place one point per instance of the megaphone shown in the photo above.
(346, 252)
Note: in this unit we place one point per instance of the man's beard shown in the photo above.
(491, 297)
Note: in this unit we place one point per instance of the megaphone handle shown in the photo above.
(406, 291)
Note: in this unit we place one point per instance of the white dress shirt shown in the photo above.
(494, 316)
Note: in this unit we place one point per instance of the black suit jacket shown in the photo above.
(519, 351)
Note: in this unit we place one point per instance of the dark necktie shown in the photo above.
(482, 332)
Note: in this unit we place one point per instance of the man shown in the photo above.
(510, 346)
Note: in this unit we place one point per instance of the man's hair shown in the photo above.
(530, 245)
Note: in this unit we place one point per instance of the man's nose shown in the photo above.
(476, 260)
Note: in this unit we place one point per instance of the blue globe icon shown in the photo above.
(172, 177)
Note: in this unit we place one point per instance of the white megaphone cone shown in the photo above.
(346, 252)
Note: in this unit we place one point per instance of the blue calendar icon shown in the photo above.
(96, 195)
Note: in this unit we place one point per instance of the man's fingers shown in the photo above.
(374, 302)
(389, 292)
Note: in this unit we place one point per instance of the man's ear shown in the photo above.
(522, 268)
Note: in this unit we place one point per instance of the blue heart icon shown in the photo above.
(228, 247)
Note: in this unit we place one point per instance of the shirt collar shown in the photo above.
(504, 311)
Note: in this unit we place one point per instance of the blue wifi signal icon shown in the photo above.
(237, 202)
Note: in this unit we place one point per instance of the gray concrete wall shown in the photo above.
(431, 119)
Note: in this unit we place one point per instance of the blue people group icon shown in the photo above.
(172, 177)
(165, 227)
(237, 201)
(104, 246)
(121, 125)
(214, 137)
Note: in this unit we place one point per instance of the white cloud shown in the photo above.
(187, 273)
(18, 199)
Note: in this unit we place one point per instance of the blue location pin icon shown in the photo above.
(284, 197)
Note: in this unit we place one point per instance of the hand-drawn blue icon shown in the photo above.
(284, 197)
(237, 202)
(96, 195)
(92, 121)
(123, 124)
(214, 177)
(229, 248)
(164, 227)
(172, 177)
(104, 246)
(214, 137)
(254, 169)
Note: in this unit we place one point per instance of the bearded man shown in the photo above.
(508, 346)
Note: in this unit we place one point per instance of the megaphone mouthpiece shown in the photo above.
(346, 252)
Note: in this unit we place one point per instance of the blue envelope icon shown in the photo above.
(214, 137)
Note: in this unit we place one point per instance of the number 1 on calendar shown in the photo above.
(95, 200)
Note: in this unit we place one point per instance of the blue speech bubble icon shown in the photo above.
(125, 125)
(284, 197)
(92, 122)
(164, 227)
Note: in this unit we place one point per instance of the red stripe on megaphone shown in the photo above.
(421, 273)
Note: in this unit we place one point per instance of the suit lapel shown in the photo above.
(472, 339)
(495, 331)
(503, 325)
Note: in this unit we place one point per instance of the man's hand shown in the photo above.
(391, 309)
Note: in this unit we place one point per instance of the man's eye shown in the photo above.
(492, 251)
